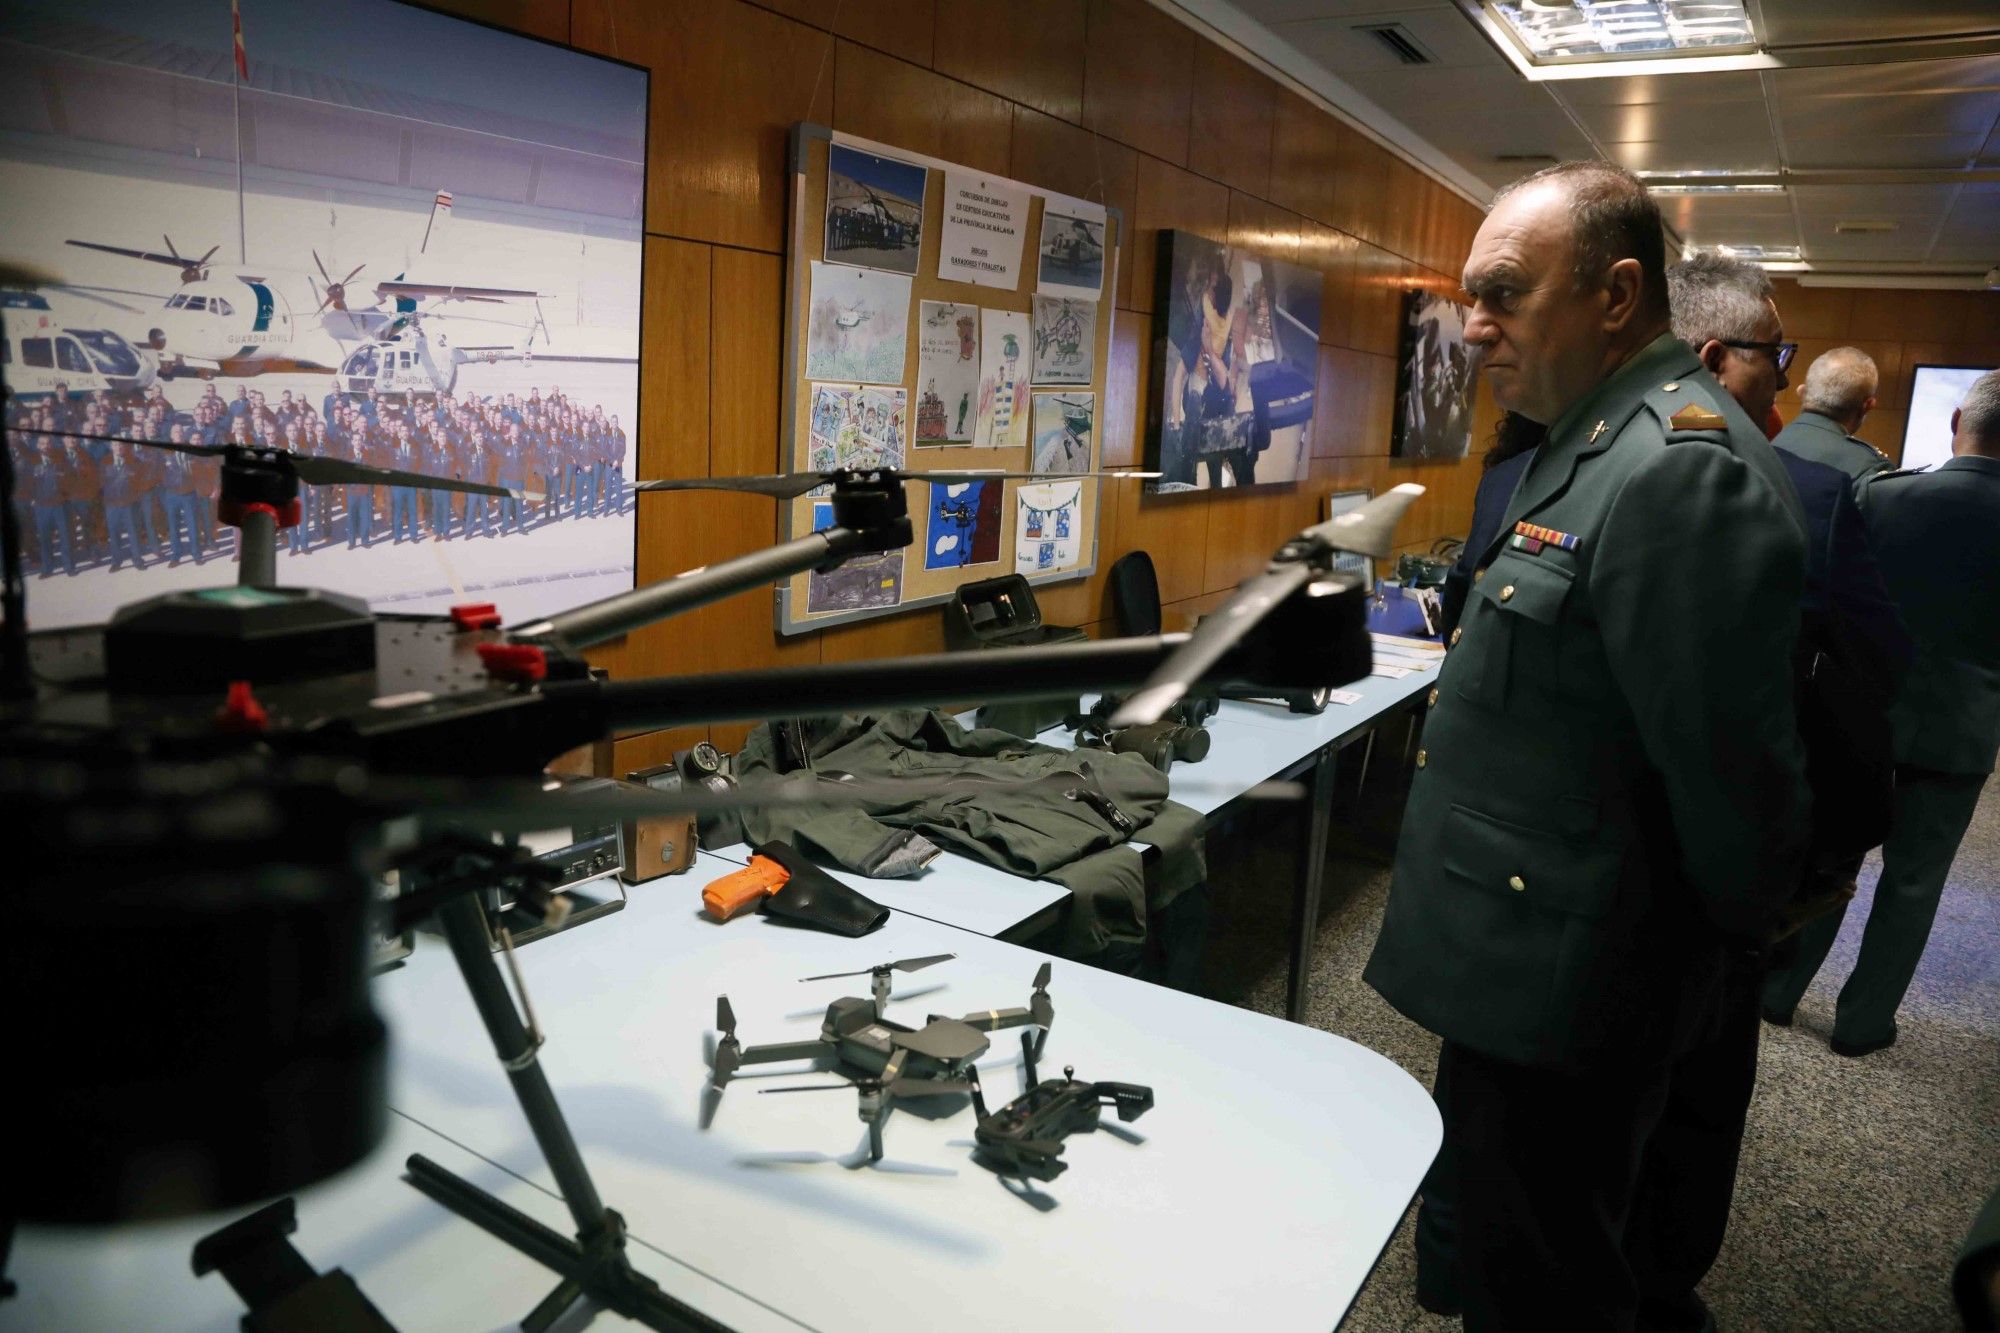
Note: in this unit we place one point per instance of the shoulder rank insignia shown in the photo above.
(1696, 417)
(1532, 537)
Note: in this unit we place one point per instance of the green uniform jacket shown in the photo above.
(1937, 537)
(1027, 826)
(1611, 784)
(1821, 440)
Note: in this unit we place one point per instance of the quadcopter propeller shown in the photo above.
(789, 486)
(902, 1087)
(1041, 1008)
(317, 469)
(1369, 530)
(728, 1053)
(900, 965)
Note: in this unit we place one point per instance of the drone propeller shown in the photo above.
(317, 469)
(728, 1054)
(1369, 530)
(900, 965)
(901, 1087)
(789, 486)
(1040, 1007)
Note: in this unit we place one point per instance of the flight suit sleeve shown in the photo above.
(1696, 586)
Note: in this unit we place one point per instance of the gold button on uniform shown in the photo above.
(1421, 756)
(1670, 387)
(1454, 636)
(1433, 699)
(1507, 592)
(1478, 574)
(1516, 883)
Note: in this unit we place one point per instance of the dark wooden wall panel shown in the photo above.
(1109, 100)
(1900, 329)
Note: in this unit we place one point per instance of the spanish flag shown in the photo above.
(236, 25)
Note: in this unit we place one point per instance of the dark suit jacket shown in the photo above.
(1937, 535)
(1820, 439)
(1489, 506)
(1844, 584)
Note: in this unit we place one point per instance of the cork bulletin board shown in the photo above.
(1000, 366)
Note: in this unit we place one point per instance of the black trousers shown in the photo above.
(1587, 1201)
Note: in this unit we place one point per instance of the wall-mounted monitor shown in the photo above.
(1935, 393)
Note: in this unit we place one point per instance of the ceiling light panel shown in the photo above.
(1599, 30)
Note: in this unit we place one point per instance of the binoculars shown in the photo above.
(1178, 735)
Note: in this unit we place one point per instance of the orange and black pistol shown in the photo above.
(741, 890)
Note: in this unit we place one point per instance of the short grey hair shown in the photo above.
(1839, 382)
(1717, 297)
(1979, 414)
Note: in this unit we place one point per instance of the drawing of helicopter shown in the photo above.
(242, 320)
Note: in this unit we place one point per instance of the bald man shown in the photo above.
(1839, 392)
(1610, 796)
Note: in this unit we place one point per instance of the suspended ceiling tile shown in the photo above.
(1907, 226)
(1840, 202)
(1272, 12)
(1888, 116)
(1949, 152)
(1485, 89)
(1445, 34)
(1811, 22)
(1688, 212)
(1909, 76)
(1745, 231)
(1867, 249)
(1747, 152)
(1634, 122)
(1680, 89)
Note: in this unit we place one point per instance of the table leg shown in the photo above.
(1311, 875)
(1367, 753)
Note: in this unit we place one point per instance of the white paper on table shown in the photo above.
(1343, 697)
(984, 224)
(1392, 672)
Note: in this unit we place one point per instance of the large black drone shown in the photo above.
(883, 1059)
(207, 776)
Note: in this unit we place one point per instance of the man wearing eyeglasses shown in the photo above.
(1753, 360)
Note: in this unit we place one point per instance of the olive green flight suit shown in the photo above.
(1611, 781)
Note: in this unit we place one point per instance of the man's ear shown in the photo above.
(1625, 286)
(1712, 353)
(1956, 413)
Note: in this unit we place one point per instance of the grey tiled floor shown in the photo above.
(1858, 1178)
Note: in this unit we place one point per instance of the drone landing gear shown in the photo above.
(593, 1264)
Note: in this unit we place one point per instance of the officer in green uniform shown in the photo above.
(1610, 793)
(1937, 537)
(1839, 392)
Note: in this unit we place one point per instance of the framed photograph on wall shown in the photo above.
(1434, 380)
(379, 234)
(1235, 366)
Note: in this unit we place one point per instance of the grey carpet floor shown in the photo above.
(1858, 1177)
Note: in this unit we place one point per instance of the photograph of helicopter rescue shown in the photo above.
(363, 231)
